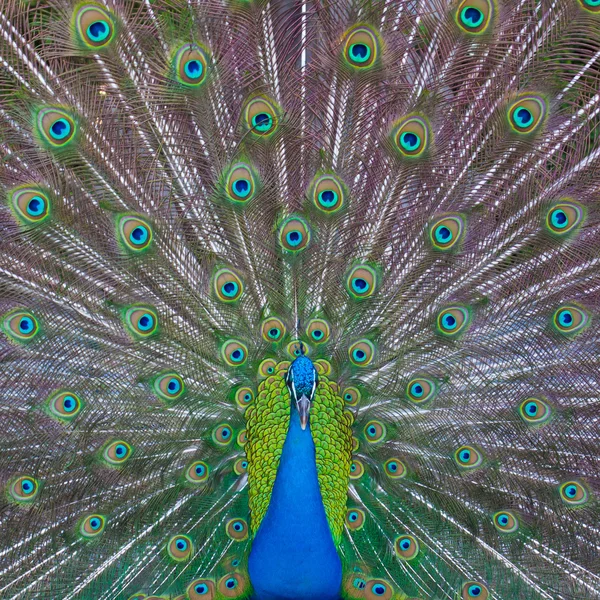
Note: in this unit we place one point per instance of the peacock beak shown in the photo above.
(303, 406)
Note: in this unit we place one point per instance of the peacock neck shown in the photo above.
(293, 555)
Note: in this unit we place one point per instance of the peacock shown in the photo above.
(299, 299)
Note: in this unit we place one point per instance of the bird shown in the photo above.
(299, 299)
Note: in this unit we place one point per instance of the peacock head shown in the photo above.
(302, 382)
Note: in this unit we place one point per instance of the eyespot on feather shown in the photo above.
(294, 234)
(237, 529)
(411, 136)
(20, 326)
(92, 526)
(474, 589)
(573, 493)
(117, 453)
(261, 117)
(64, 405)
(447, 232)
(222, 434)
(197, 472)
(94, 26)
(361, 47)
(378, 589)
(267, 368)
(234, 353)
(374, 432)
(240, 466)
(328, 194)
(201, 589)
(355, 519)
(406, 547)
(231, 586)
(30, 205)
(453, 321)
(24, 489)
(535, 411)
(241, 183)
(421, 390)
(169, 386)
(227, 285)
(505, 521)
(134, 233)
(190, 65)
(361, 281)
(294, 351)
(361, 352)
(475, 16)
(394, 468)
(318, 330)
(141, 321)
(592, 6)
(351, 396)
(564, 218)
(244, 396)
(526, 114)
(180, 547)
(570, 319)
(357, 469)
(272, 329)
(55, 126)
(468, 457)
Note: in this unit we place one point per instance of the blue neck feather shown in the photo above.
(293, 555)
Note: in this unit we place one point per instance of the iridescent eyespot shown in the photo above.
(394, 468)
(24, 488)
(294, 234)
(117, 453)
(573, 493)
(474, 16)
(361, 353)
(355, 519)
(374, 432)
(356, 469)
(135, 233)
(272, 329)
(94, 26)
(447, 232)
(474, 589)
(421, 390)
(237, 529)
(296, 347)
(467, 457)
(261, 117)
(506, 521)
(318, 330)
(411, 136)
(141, 321)
(169, 386)
(378, 589)
(406, 547)
(323, 367)
(535, 411)
(20, 326)
(222, 435)
(526, 114)
(351, 396)
(180, 547)
(231, 586)
(241, 183)
(92, 526)
(591, 5)
(361, 47)
(64, 405)
(361, 281)
(240, 466)
(227, 285)
(190, 65)
(563, 218)
(201, 589)
(138, 596)
(197, 472)
(244, 396)
(267, 367)
(30, 205)
(241, 438)
(234, 353)
(570, 319)
(55, 126)
(328, 194)
(453, 320)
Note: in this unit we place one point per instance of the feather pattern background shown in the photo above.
(145, 145)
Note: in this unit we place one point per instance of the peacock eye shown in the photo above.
(135, 234)
(361, 352)
(570, 319)
(294, 234)
(273, 329)
(20, 326)
(361, 281)
(240, 466)
(447, 232)
(421, 390)
(197, 472)
(64, 405)
(356, 469)
(355, 519)
(201, 589)
(318, 330)
(180, 547)
(24, 488)
(361, 47)
(231, 586)
(55, 126)
(267, 367)
(234, 353)
(241, 183)
(527, 114)
(591, 5)
(573, 493)
(92, 526)
(31, 205)
(563, 218)
(222, 435)
(227, 285)
(190, 65)
(141, 321)
(474, 589)
(374, 432)
(293, 349)
(351, 396)
(261, 117)
(328, 194)
(169, 386)
(535, 411)
(94, 26)
(406, 547)
(474, 16)
(453, 320)
(468, 457)
(379, 589)
(244, 396)
(237, 529)
(394, 468)
(505, 521)
(411, 136)
(117, 453)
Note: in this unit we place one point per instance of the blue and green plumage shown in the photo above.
(299, 299)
